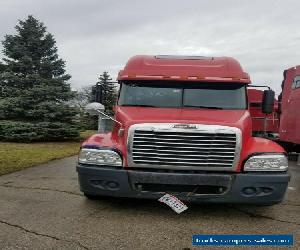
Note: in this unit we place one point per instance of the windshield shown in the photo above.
(171, 94)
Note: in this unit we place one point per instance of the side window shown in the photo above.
(296, 82)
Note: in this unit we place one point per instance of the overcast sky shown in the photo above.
(93, 36)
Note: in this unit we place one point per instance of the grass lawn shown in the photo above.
(17, 156)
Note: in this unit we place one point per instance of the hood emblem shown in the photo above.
(185, 126)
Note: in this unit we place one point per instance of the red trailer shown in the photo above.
(255, 98)
(289, 130)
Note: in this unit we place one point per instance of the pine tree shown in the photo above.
(109, 93)
(34, 91)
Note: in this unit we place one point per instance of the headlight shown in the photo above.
(267, 162)
(99, 157)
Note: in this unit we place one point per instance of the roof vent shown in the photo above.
(173, 57)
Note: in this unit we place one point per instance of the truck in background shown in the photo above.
(283, 124)
(182, 126)
(266, 125)
(289, 110)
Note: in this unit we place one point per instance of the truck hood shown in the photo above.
(234, 118)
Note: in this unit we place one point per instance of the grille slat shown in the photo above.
(184, 143)
(183, 148)
(145, 154)
(138, 138)
(182, 163)
(204, 151)
(161, 146)
(183, 136)
(179, 158)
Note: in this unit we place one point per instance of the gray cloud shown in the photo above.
(93, 36)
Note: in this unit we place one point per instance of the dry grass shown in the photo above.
(17, 156)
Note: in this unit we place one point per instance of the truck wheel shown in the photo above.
(91, 196)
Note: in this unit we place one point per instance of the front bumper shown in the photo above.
(206, 187)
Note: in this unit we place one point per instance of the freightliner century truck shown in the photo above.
(182, 126)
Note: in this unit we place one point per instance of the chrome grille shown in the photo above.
(197, 149)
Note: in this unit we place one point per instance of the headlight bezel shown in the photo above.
(261, 156)
(96, 152)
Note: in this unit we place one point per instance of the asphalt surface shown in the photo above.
(42, 208)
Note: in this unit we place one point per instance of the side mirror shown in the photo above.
(268, 101)
(93, 108)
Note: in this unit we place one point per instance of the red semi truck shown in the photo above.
(182, 126)
(262, 124)
(283, 124)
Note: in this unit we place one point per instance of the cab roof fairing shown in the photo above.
(208, 69)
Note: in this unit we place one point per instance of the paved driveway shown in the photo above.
(42, 208)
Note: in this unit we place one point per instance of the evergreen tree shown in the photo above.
(34, 92)
(108, 92)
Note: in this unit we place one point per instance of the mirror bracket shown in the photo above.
(96, 108)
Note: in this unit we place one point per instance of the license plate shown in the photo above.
(173, 202)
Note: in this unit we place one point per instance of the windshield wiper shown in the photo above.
(139, 105)
(204, 107)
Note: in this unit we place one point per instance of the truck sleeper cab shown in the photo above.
(183, 127)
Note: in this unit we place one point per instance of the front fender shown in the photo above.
(257, 145)
(106, 140)
(98, 141)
